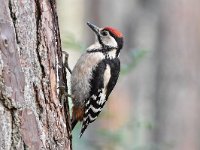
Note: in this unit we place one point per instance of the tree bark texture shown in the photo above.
(32, 115)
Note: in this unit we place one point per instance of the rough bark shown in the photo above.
(31, 113)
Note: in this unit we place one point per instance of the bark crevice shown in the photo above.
(39, 106)
(16, 136)
(38, 39)
(14, 19)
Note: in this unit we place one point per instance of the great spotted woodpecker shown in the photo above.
(95, 75)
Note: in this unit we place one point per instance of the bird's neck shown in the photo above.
(109, 52)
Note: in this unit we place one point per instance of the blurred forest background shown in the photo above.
(156, 103)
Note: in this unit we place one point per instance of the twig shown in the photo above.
(66, 61)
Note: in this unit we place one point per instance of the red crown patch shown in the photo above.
(114, 31)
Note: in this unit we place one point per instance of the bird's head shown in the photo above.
(108, 37)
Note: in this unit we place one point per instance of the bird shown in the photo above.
(95, 75)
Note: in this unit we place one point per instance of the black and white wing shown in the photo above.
(104, 78)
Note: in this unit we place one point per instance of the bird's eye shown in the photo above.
(104, 33)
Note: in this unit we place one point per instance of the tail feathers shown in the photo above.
(84, 127)
(73, 123)
(82, 131)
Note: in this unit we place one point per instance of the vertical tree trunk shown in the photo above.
(31, 113)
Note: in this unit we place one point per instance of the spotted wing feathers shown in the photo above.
(93, 107)
(102, 84)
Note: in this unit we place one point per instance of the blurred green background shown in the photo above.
(156, 102)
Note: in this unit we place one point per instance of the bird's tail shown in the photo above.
(84, 126)
(82, 130)
(73, 123)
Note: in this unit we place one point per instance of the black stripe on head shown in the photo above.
(100, 41)
(118, 39)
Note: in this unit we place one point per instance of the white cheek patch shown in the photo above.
(109, 41)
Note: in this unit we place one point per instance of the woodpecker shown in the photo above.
(95, 75)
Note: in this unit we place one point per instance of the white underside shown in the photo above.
(82, 73)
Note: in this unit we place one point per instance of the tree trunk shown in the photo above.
(31, 112)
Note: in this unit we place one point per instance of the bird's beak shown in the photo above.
(94, 28)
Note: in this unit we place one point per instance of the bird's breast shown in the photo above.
(81, 75)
